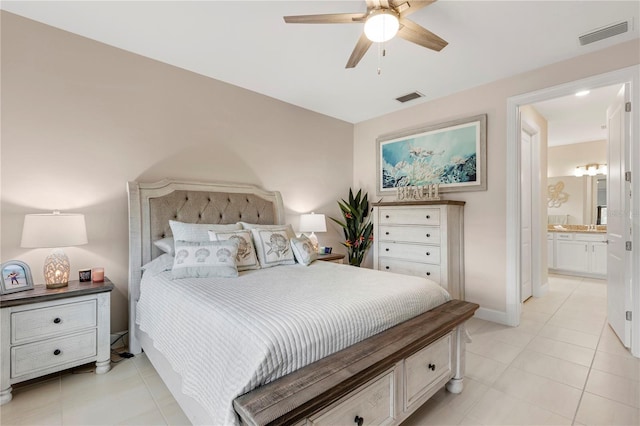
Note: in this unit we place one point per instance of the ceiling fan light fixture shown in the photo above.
(381, 25)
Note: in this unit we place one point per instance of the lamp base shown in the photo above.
(56, 269)
(314, 241)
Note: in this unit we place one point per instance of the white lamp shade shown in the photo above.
(53, 230)
(381, 25)
(313, 223)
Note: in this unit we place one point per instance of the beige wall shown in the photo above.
(80, 119)
(485, 221)
(564, 159)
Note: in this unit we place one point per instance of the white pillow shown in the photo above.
(273, 247)
(197, 231)
(166, 245)
(162, 263)
(246, 258)
(201, 259)
(289, 228)
(303, 250)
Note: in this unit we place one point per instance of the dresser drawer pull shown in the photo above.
(386, 267)
(428, 235)
(428, 254)
(428, 217)
(428, 273)
(387, 249)
(57, 352)
(57, 320)
(432, 367)
(358, 420)
(386, 233)
(386, 216)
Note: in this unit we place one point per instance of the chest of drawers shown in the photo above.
(44, 331)
(422, 238)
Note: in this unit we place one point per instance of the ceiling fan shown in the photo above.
(382, 21)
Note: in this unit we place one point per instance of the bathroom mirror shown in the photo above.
(577, 200)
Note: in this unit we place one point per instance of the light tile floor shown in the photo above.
(563, 365)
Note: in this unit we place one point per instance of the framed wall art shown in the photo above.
(451, 154)
(16, 276)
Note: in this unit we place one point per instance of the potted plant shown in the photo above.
(357, 226)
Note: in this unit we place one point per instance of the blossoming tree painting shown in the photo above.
(452, 155)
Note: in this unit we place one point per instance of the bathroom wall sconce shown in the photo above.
(590, 170)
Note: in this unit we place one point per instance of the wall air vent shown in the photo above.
(604, 32)
(409, 97)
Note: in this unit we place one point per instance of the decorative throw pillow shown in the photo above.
(289, 228)
(273, 247)
(197, 231)
(166, 245)
(246, 258)
(303, 250)
(200, 259)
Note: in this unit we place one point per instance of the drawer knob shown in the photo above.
(428, 253)
(386, 233)
(432, 367)
(428, 273)
(387, 216)
(387, 249)
(57, 320)
(428, 217)
(428, 235)
(358, 420)
(57, 352)
(386, 267)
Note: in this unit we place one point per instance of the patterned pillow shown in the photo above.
(246, 258)
(205, 259)
(303, 250)
(197, 231)
(273, 247)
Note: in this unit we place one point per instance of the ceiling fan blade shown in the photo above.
(414, 33)
(406, 8)
(332, 18)
(358, 52)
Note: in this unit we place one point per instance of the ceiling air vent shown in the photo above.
(409, 97)
(605, 32)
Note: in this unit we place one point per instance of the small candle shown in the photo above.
(97, 274)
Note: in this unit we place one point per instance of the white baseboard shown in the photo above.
(120, 342)
(492, 315)
(543, 290)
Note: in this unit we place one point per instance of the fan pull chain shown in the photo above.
(382, 52)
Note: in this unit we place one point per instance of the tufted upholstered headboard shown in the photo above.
(152, 205)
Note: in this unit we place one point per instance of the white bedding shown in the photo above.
(226, 336)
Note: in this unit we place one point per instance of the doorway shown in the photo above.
(514, 192)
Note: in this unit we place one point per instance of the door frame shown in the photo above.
(626, 75)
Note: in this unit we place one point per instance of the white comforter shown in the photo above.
(226, 336)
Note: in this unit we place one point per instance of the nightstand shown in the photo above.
(335, 258)
(49, 330)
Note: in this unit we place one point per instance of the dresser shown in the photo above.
(422, 238)
(49, 330)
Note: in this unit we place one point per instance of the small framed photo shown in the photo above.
(84, 275)
(16, 276)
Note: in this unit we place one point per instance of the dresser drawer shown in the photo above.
(425, 270)
(34, 357)
(374, 403)
(415, 252)
(415, 234)
(409, 216)
(52, 321)
(425, 369)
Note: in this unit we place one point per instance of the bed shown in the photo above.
(263, 347)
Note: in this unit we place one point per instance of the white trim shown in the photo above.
(629, 74)
(491, 315)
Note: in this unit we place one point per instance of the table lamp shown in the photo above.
(313, 223)
(54, 230)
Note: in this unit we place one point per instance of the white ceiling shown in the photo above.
(246, 43)
(575, 119)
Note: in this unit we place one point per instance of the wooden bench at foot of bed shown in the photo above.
(381, 380)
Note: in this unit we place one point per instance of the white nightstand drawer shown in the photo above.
(409, 216)
(52, 321)
(374, 403)
(415, 252)
(426, 368)
(33, 357)
(427, 235)
(425, 270)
